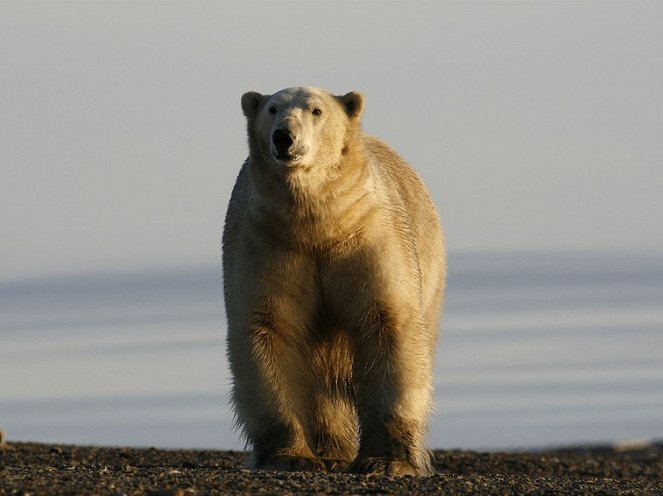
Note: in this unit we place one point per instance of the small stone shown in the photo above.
(3, 437)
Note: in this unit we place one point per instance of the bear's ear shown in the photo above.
(353, 103)
(250, 102)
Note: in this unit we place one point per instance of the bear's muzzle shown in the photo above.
(283, 146)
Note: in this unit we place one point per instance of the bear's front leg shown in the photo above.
(269, 393)
(393, 378)
(270, 302)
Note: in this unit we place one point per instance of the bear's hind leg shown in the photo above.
(333, 419)
(334, 432)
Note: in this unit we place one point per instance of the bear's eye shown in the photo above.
(272, 110)
(317, 111)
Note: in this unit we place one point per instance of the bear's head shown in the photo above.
(301, 128)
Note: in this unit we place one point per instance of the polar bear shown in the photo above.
(334, 274)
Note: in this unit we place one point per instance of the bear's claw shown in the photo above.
(292, 464)
(335, 465)
(383, 466)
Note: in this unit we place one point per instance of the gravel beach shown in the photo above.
(43, 469)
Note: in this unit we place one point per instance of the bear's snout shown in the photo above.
(283, 140)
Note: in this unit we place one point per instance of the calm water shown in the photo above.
(536, 349)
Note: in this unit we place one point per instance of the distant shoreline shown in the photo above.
(50, 469)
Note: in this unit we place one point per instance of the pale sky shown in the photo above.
(537, 125)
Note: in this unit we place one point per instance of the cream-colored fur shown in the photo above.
(334, 271)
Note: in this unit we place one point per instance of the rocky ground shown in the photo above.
(41, 469)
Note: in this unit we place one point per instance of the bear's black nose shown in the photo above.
(282, 140)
